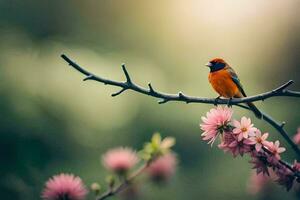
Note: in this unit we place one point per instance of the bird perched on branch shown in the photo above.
(226, 83)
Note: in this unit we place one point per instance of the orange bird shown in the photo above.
(226, 83)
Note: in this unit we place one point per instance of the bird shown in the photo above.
(226, 83)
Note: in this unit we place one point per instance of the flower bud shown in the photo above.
(110, 180)
(95, 187)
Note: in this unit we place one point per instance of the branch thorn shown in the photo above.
(89, 77)
(117, 93)
(151, 88)
(282, 124)
(163, 101)
(181, 95)
(126, 73)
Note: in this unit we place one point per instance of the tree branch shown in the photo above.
(279, 127)
(280, 91)
(286, 164)
(124, 184)
(165, 97)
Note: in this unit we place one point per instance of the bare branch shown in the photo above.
(280, 91)
(117, 93)
(279, 127)
(130, 85)
(286, 164)
(74, 65)
(287, 84)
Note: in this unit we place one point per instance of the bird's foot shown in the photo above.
(229, 103)
(216, 100)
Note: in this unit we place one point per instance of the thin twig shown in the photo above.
(286, 164)
(164, 97)
(124, 184)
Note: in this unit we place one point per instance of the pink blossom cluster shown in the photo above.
(257, 182)
(163, 168)
(240, 137)
(125, 164)
(64, 186)
(120, 159)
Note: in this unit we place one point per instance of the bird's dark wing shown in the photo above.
(236, 80)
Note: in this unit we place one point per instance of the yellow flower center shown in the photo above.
(244, 129)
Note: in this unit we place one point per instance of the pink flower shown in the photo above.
(285, 177)
(163, 167)
(257, 182)
(273, 161)
(274, 148)
(259, 140)
(244, 128)
(120, 159)
(260, 162)
(231, 144)
(226, 140)
(240, 147)
(296, 166)
(297, 137)
(215, 122)
(64, 186)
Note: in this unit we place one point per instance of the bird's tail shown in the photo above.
(255, 110)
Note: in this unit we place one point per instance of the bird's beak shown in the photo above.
(208, 64)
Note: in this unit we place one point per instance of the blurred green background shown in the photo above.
(52, 122)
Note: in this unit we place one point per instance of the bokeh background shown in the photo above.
(52, 122)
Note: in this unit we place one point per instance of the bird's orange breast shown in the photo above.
(223, 84)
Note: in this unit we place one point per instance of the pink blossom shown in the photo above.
(240, 147)
(285, 177)
(297, 137)
(260, 162)
(296, 166)
(259, 140)
(120, 159)
(257, 182)
(243, 129)
(64, 186)
(273, 161)
(226, 140)
(274, 148)
(231, 144)
(215, 122)
(163, 167)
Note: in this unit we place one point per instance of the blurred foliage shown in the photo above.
(156, 147)
(52, 122)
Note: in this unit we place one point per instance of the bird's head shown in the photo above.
(216, 64)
